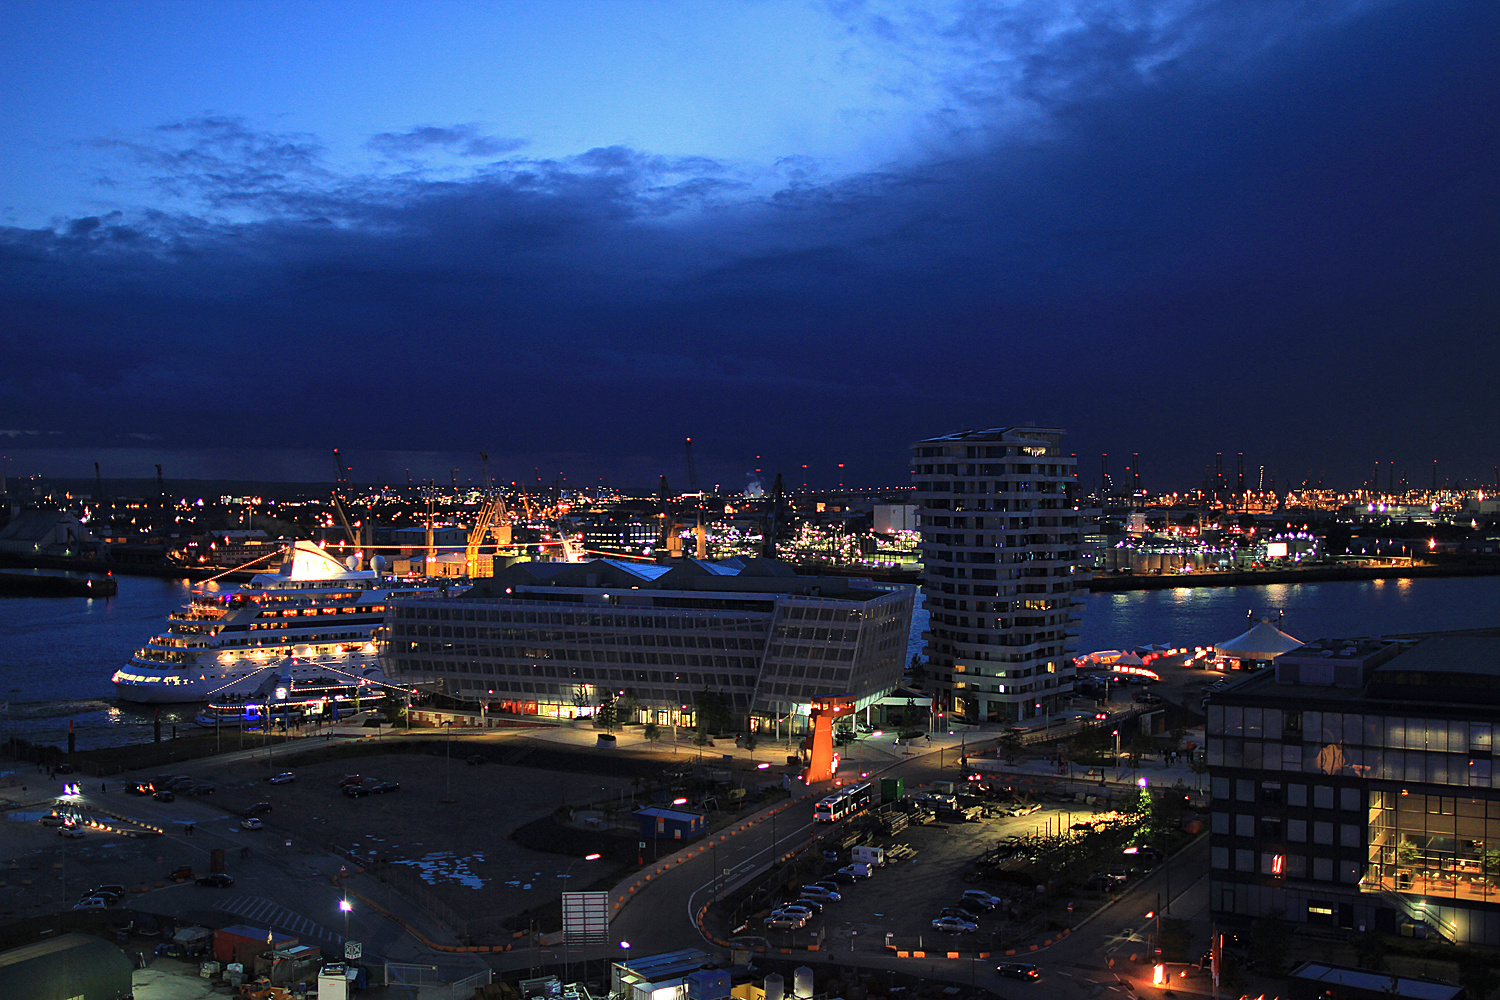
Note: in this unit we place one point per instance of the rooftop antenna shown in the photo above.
(98, 485)
(161, 487)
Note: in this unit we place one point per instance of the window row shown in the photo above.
(1357, 762)
(1351, 729)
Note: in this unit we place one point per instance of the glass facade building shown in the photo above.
(552, 638)
(1001, 565)
(1353, 785)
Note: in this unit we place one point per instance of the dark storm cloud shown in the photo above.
(461, 140)
(1171, 232)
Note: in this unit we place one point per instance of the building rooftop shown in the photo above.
(1458, 668)
(740, 575)
(1448, 655)
(996, 433)
(1376, 982)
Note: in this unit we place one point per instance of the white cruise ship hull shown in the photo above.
(142, 684)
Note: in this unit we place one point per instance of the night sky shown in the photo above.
(236, 235)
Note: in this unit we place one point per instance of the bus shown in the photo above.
(847, 802)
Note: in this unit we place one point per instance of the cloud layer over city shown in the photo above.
(1171, 228)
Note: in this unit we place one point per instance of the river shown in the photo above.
(57, 654)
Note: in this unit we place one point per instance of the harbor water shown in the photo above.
(57, 654)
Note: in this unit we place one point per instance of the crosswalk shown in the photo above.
(277, 917)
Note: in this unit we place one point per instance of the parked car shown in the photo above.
(953, 911)
(182, 873)
(164, 796)
(785, 921)
(259, 809)
(954, 925)
(92, 903)
(855, 871)
(990, 901)
(53, 819)
(1019, 970)
(181, 784)
(805, 901)
(386, 787)
(250, 823)
(973, 906)
(112, 893)
(355, 791)
(475, 758)
(284, 778)
(71, 832)
(216, 880)
(202, 788)
(349, 779)
(792, 909)
(819, 893)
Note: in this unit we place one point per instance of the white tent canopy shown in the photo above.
(1264, 641)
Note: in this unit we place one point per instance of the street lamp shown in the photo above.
(345, 908)
(448, 765)
(568, 874)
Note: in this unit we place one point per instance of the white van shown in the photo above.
(872, 856)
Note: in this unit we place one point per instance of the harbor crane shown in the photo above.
(340, 482)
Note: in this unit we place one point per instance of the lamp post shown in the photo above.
(345, 908)
(1117, 753)
(566, 876)
(448, 764)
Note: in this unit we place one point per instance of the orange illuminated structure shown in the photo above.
(822, 762)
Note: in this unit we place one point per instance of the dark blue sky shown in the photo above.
(236, 236)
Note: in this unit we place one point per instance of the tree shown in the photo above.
(1476, 975)
(652, 732)
(1269, 936)
(1089, 743)
(629, 708)
(1140, 745)
(713, 711)
(1011, 746)
(1370, 950)
(1176, 934)
(918, 670)
(606, 716)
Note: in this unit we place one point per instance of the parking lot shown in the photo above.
(903, 897)
(448, 854)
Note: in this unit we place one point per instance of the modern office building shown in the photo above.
(1000, 555)
(1352, 786)
(552, 638)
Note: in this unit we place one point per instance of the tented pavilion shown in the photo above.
(1263, 643)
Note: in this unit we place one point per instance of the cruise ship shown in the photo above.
(312, 621)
